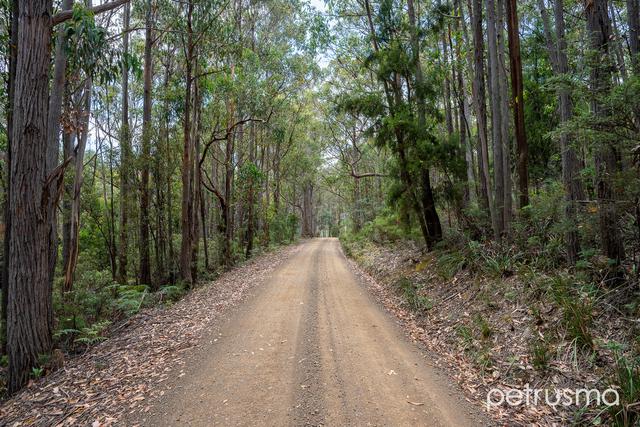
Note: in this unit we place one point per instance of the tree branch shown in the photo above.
(65, 15)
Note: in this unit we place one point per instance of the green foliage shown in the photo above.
(130, 298)
(457, 252)
(483, 327)
(88, 335)
(539, 230)
(171, 292)
(465, 335)
(540, 353)
(88, 48)
(384, 229)
(626, 379)
(368, 104)
(36, 373)
(283, 227)
(413, 295)
(577, 310)
(449, 263)
(88, 309)
(249, 178)
(479, 352)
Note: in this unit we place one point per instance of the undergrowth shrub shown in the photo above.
(283, 227)
(465, 335)
(87, 335)
(171, 293)
(626, 379)
(539, 229)
(384, 229)
(130, 299)
(484, 328)
(540, 353)
(411, 292)
(577, 310)
(450, 263)
(475, 342)
(95, 300)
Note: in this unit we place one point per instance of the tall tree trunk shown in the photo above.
(53, 136)
(167, 182)
(570, 165)
(616, 44)
(480, 106)
(145, 262)
(570, 162)
(68, 142)
(78, 178)
(496, 125)
(357, 208)
(195, 176)
(112, 216)
(393, 94)
(29, 309)
(276, 176)
(503, 83)
(187, 162)
(228, 190)
(517, 95)
(253, 152)
(125, 149)
(251, 191)
(606, 157)
(203, 220)
(13, 58)
(307, 210)
(633, 19)
(463, 104)
(448, 115)
(267, 202)
(429, 213)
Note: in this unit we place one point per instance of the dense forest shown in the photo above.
(172, 139)
(150, 145)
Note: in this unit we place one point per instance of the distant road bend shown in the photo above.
(312, 348)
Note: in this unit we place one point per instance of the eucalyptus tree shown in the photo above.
(126, 164)
(145, 262)
(29, 304)
(557, 50)
(399, 107)
(606, 151)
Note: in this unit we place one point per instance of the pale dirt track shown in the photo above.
(311, 348)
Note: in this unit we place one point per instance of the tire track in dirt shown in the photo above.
(311, 348)
(309, 404)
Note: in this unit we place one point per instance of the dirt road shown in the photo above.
(311, 348)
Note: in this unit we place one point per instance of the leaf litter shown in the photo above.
(457, 303)
(119, 376)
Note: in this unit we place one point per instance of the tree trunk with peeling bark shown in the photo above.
(53, 131)
(187, 159)
(78, 178)
(633, 19)
(145, 258)
(496, 123)
(517, 95)
(29, 305)
(480, 106)
(125, 153)
(13, 57)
